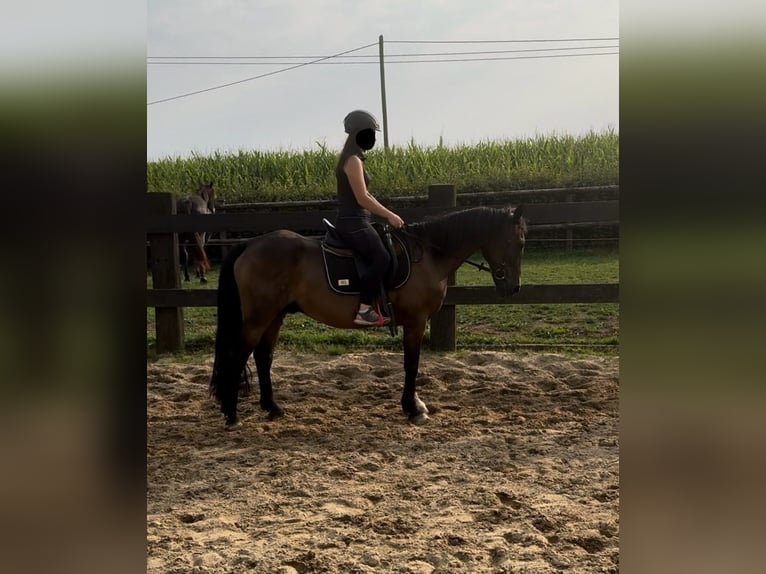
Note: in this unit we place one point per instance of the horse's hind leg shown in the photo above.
(227, 374)
(263, 355)
(201, 273)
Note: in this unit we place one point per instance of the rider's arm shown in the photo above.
(355, 172)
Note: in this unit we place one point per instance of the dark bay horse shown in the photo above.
(282, 272)
(202, 202)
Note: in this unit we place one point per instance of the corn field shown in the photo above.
(540, 162)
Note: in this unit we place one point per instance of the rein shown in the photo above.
(479, 266)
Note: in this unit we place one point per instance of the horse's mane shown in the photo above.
(450, 231)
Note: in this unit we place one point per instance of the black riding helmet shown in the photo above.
(359, 120)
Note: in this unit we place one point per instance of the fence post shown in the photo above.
(223, 236)
(163, 247)
(570, 244)
(443, 335)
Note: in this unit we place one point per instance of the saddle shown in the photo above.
(343, 268)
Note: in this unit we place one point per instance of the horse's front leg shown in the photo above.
(412, 406)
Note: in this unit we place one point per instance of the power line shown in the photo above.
(257, 77)
(393, 55)
(184, 60)
(412, 54)
(376, 62)
(294, 66)
(497, 41)
(497, 59)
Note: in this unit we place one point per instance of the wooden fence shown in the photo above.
(169, 299)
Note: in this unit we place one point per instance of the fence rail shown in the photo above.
(463, 199)
(456, 295)
(565, 213)
(169, 299)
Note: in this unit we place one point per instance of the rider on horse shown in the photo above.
(355, 208)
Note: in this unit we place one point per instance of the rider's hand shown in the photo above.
(395, 221)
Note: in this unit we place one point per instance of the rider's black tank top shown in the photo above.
(347, 204)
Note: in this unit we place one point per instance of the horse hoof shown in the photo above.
(419, 419)
(276, 413)
(232, 426)
(203, 280)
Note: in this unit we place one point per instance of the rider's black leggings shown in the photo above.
(365, 241)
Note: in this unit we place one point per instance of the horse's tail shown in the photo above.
(229, 346)
(204, 261)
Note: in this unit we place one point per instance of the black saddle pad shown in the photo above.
(342, 271)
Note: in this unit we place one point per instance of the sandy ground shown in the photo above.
(516, 471)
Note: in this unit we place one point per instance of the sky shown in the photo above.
(427, 102)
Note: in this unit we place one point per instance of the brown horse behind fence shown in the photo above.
(192, 245)
(282, 272)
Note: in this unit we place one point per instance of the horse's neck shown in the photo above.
(448, 261)
(199, 202)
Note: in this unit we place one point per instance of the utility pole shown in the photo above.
(383, 92)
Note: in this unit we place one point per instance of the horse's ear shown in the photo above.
(210, 185)
(517, 213)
